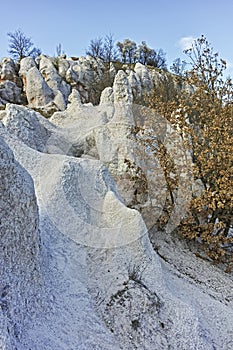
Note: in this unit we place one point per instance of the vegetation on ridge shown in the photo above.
(126, 51)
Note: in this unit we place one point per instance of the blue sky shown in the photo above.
(161, 23)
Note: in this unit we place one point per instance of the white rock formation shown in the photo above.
(34, 130)
(37, 90)
(86, 210)
(87, 69)
(122, 89)
(85, 265)
(25, 65)
(21, 279)
(54, 80)
(144, 76)
(63, 67)
(10, 84)
(107, 96)
(10, 92)
(66, 317)
(135, 85)
(8, 70)
(80, 207)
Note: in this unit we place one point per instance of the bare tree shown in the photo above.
(178, 67)
(96, 48)
(157, 59)
(110, 50)
(103, 48)
(21, 46)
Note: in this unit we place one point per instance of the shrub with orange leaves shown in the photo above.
(203, 115)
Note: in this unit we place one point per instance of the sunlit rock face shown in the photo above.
(108, 257)
(21, 279)
(8, 70)
(10, 82)
(77, 268)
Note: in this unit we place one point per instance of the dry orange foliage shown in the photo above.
(202, 112)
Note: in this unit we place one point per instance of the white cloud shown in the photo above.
(229, 71)
(229, 64)
(185, 42)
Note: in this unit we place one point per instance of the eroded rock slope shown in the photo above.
(78, 270)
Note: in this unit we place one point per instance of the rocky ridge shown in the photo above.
(77, 265)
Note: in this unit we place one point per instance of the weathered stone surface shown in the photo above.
(135, 84)
(37, 90)
(125, 277)
(63, 66)
(69, 320)
(107, 96)
(122, 89)
(8, 69)
(45, 90)
(9, 72)
(104, 286)
(28, 126)
(19, 249)
(2, 114)
(54, 81)
(144, 76)
(71, 77)
(75, 97)
(25, 65)
(105, 133)
(81, 73)
(87, 68)
(133, 272)
(10, 92)
(36, 131)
